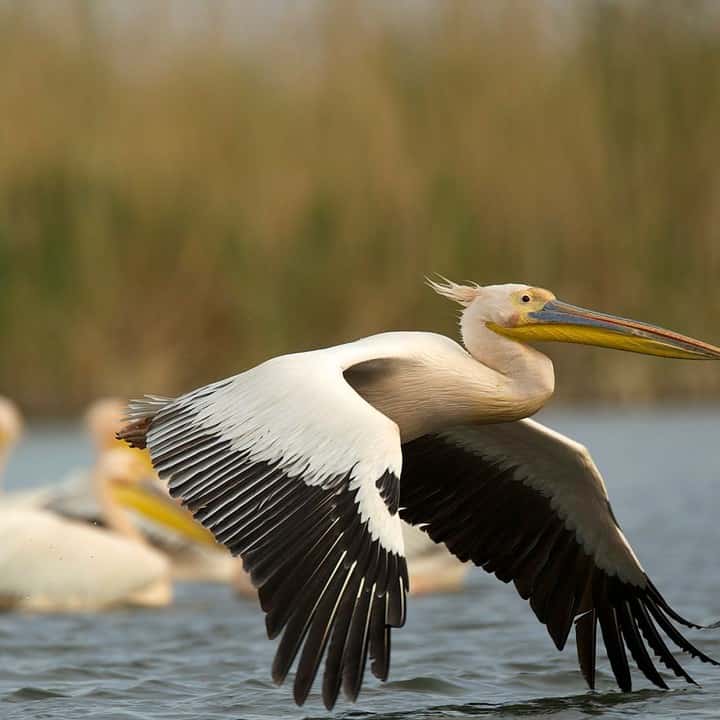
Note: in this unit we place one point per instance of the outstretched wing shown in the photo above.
(529, 505)
(297, 474)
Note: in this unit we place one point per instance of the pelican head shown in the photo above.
(528, 314)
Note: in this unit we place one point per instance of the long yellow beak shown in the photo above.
(150, 502)
(561, 322)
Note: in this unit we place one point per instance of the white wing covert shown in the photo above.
(297, 474)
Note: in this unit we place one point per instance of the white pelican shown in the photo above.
(75, 496)
(305, 464)
(193, 553)
(132, 502)
(52, 564)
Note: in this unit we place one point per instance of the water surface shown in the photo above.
(477, 654)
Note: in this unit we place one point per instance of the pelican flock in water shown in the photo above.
(49, 563)
(54, 554)
(305, 465)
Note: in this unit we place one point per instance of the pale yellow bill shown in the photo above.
(561, 322)
(161, 509)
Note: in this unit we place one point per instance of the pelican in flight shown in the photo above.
(305, 465)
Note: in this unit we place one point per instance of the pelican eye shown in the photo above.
(525, 298)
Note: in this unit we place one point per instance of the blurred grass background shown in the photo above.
(188, 188)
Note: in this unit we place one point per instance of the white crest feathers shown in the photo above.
(462, 294)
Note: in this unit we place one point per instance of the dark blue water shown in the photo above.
(478, 654)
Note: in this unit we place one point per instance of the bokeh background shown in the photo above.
(189, 187)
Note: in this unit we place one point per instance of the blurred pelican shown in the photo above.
(135, 501)
(52, 564)
(305, 464)
(75, 496)
(193, 553)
